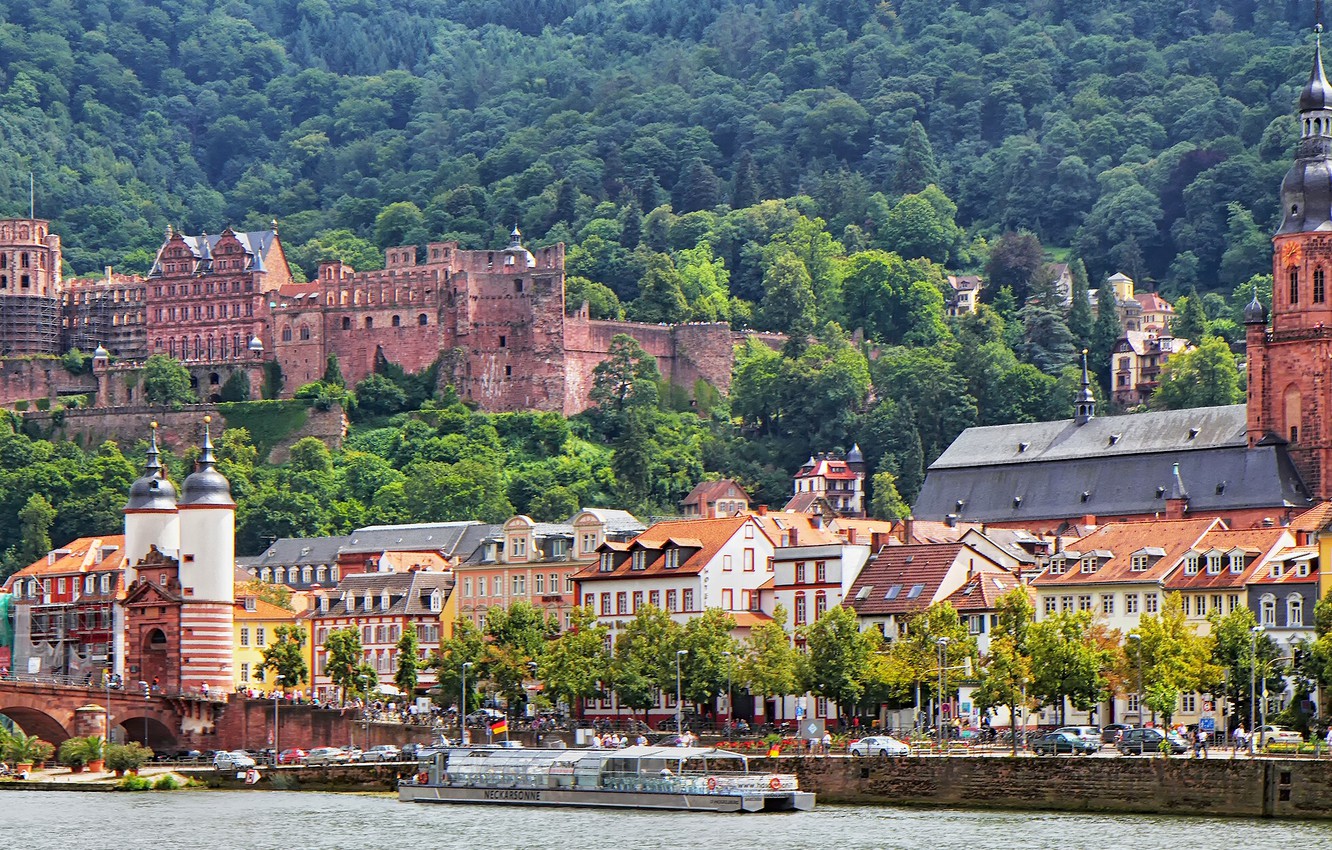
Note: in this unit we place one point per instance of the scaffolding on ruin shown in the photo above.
(29, 324)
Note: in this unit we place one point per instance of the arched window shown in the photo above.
(305, 333)
(436, 601)
(286, 334)
(1268, 610)
(307, 575)
(1294, 611)
(291, 575)
(397, 321)
(800, 609)
(423, 320)
(265, 574)
(320, 573)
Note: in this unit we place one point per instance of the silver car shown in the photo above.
(382, 752)
(878, 745)
(235, 760)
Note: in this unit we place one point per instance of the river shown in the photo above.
(258, 820)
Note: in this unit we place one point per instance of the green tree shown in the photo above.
(1069, 667)
(345, 657)
(1015, 261)
(1006, 672)
(838, 657)
(409, 662)
(645, 658)
(167, 381)
(35, 520)
(236, 387)
(626, 379)
(916, 166)
(333, 372)
(1203, 377)
(285, 656)
(576, 664)
(1172, 657)
(1190, 320)
(1081, 320)
(1106, 333)
(465, 646)
(887, 503)
(788, 302)
(659, 296)
(769, 663)
(710, 652)
(1241, 654)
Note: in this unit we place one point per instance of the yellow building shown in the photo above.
(256, 625)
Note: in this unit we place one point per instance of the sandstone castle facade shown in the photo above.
(494, 320)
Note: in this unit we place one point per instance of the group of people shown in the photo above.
(615, 741)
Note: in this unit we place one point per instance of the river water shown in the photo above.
(258, 820)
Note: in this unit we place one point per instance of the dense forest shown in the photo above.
(813, 168)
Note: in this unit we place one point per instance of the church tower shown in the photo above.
(1290, 362)
(207, 574)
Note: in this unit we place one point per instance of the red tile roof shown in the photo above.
(1258, 544)
(1315, 519)
(983, 590)
(904, 579)
(1288, 558)
(834, 468)
(707, 492)
(708, 534)
(79, 556)
(1121, 540)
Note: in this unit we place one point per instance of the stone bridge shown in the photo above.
(55, 712)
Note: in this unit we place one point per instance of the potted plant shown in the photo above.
(73, 753)
(26, 750)
(127, 757)
(94, 747)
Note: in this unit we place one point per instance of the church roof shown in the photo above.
(1110, 466)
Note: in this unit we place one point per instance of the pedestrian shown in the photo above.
(827, 742)
(1239, 737)
(205, 690)
(1199, 743)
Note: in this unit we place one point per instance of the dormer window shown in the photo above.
(639, 560)
(384, 601)
(368, 602)
(1191, 565)
(1138, 563)
(1302, 569)
(1057, 566)
(607, 562)
(518, 547)
(672, 558)
(251, 603)
(436, 601)
(1236, 563)
(1091, 564)
(1214, 564)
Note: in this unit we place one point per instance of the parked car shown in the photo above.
(1139, 741)
(1056, 743)
(382, 752)
(326, 755)
(353, 752)
(1110, 732)
(295, 755)
(1278, 735)
(878, 745)
(234, 760)
(1089, 734)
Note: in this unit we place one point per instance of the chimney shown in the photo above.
(908, 530)
(795, 536)
(762, 510)
(1089, 519)
(851, 536)
(878, 540)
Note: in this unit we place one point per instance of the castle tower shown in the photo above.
(1290, 370)
(207, 574)
(30, 287)
(151, 519)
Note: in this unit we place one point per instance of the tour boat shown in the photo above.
(677, 778)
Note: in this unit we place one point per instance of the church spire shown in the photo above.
(1086, 406)
(153, 468)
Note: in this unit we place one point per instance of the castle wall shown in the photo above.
(34, 378)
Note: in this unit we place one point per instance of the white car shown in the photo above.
(878, 745)
(1277, 735)
(382, 752)
(235, 760)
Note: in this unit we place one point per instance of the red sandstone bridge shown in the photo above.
(55, 708)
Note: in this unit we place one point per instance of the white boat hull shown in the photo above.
(801, 801)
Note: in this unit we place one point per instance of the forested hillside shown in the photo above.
(813, 168)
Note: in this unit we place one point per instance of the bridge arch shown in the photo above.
(36, 722)
(149, 731)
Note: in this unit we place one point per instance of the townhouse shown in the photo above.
(1212, 577)
(711, 499)
(256, 623)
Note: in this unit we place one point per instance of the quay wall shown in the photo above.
(1287, 788)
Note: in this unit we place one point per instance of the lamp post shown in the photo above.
(1137, 639)
(462, 706)
(730, 709)
(276, 679)
(679, 726)
(106, 680)
(942, 643)
(1253, 680)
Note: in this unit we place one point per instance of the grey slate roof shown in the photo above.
(405, 593)
(617, 522)
(423, 537)
(1110, 466)
(297, 552)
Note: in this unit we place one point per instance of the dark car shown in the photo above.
(1110, 732)
(1139, 741)
(1056, 743)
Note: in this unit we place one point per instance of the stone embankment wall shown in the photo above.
(1223, 787)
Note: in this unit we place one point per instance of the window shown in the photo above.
(1057, 566)
(1108, 603)
(1214, 564)
(467, 587)
(60, 585)
(605, 603)
(622, 602)
(1236, 563)
(1318, 288)
(1294, 286)
(588, 542)
(259, 637)
(639, 560)
(1066, 603)
(1188, 703)
(672, 603)
(1232, 602)
(1151, 603)
(1191, 565)
(540, 588)
(481, 586)
(1051, 605)
(245, 672)
(1294, 610)
(821, 571)
(688, 599)
(1138, 563)
(1132, 706)
(436, 601)
(638, 600)
(105, 583)
(1302, 569)
(607, 562)
(1084, 602)
(747, 558)
(672, 558)
(89, 583)
(589, 600)
(1130, 603)
(1090, 564)
(654, 598)
(800, 572)
(800, 609)
(1216, 603)
(1267, 615)
(519, 547)
(245, 636)
(1185, 604)
(749, 531)
(520, 585)
(726, 563)
(820, 604)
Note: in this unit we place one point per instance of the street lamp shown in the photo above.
(679, 727)
(276, 679)
(462, 707)
(942, 643)
(106, 680)
(1253, 680)
(730, 708)
(1137, 639)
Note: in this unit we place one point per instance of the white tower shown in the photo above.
(150, 515)
(207, 574)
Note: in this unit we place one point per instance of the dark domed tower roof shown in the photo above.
(1306, 193)
(207, 486)
(1255, 313)
(153, 491)
(1317, 92)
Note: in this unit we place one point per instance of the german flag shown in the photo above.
(499, 727)
(775, 751)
